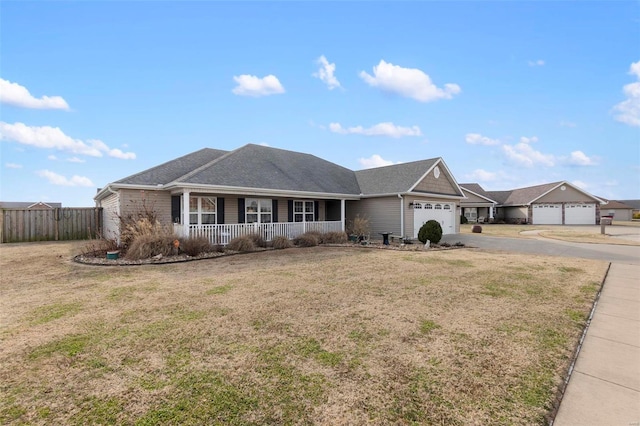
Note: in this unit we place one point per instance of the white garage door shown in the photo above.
(580, 214)
(442, 212)
(547, 214)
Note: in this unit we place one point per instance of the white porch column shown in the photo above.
(185, 213)
(491, 211)
(342, 213)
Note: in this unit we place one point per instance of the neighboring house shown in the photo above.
(634, 204)
(224, 194)
(29, 205)
(617, 210)
(557, 203)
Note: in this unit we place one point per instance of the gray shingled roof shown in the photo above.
(174, 169)
(522, 196)
(256, 166)
(476, 188)
(393, 179)
(27, 204)
(635, 204)
(615, 204)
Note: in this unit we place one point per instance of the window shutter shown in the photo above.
(316, 210)
(220, 210)
(241, 210)
(274, 210)
(290, 210)
(175, 209)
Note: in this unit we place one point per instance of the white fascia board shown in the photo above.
(177, 187)
(430, 195)
(115, 186)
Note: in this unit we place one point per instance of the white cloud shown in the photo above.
(57, 179)
(409, 82)
(325, 73)
(250, 85)
(17, 95)
(75, 160)
(380, 129)
(527, 140)
(524, 155)
(52, 157)
(13, 166)
(481, 175)
(53, 138)
(628, 111)
(579, 158)
(536, 63)
(478, 139)
(375, 161)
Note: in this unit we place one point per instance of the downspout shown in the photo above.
(401, 215)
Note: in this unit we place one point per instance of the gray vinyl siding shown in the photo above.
(132, 201)
(383, 214)
(440, 185)
(618, 214)
(515, 212)
(231, 208)
(110, 216)
(566, 196)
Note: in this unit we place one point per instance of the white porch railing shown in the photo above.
(222, 234)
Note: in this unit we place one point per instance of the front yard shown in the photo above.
(324, 335)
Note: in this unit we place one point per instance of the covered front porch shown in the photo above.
(222, 234)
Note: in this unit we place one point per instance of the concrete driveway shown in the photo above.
(540, 245)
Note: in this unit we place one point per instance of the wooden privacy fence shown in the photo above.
(23, 225)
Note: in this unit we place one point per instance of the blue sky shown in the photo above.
(510, 94)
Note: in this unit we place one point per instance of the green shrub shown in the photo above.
(306, 240)
(431, 231)
(463, 220)
(335, 238)
(258, 241)
(279, 242)
(195, 246)
(242, 244)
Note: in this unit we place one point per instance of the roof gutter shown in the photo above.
(235, 190)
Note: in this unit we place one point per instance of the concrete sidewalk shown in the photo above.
(604, 388)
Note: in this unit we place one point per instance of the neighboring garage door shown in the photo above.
(580, 214)
(547, 214)
(444, 213)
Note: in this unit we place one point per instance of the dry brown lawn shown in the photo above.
(322, 335)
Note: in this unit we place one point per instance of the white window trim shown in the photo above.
(260, 202)
(304, 212)
(199, 212)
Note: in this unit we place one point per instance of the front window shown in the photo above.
(202, 210)
(303, 211)
(258, 210)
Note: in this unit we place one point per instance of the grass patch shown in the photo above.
(312, 348)
(223, 289)
(47, 313)
(427, 326)
(68, 346)
(325, 335)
